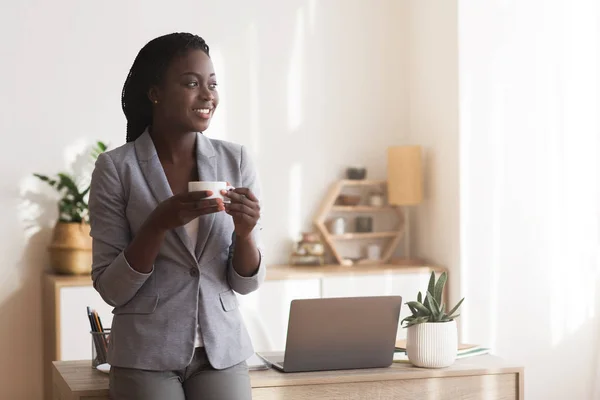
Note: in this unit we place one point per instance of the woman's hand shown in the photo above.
(244, 209)
(181, 208)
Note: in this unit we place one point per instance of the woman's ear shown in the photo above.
(153, 95)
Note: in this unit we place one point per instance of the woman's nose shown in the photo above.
(206, 93)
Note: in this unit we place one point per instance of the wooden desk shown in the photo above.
(480, 377)
(65, 323)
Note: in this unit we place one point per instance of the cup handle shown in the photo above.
(228, 188)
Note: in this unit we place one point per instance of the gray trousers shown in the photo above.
(198, 381)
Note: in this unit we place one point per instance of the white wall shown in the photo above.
(432, 88)
(530, 204)
(308, 98)
(504, 97)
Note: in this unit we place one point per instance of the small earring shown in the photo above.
(155, 101)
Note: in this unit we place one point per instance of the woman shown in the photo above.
(169, 260)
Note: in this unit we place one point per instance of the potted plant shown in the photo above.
(432, 337)
(71, 245)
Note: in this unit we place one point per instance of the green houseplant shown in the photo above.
(71, 245)
(432, 337)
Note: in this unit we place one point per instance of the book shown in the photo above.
(256, 363)
(464, 350)
(462, 347)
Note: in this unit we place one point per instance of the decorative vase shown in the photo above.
(356, 173)
(71, 248)
(432, 344)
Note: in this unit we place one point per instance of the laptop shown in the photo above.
(339, 333)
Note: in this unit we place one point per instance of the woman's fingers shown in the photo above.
(194, 196)
(247, 193)
(191, 214)
(244, 216)
(242, 195)
(200, 204)
(241, 208)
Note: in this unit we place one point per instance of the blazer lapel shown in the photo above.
(157, 180)
(207, 171)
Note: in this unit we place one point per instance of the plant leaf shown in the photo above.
(420, 298)
(418, 320)
(68, 183)
(422, 310)
(429, 306)
(85, 191)
(99, 148)
(413, 310)
(439, 287)
(443, 311)
(47, 179)
(456, 307)
(431, 286)
(433, 306)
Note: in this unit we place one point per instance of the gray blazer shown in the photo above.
(155, 314)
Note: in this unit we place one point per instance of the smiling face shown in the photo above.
(187, 97)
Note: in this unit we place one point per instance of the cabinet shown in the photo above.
(66, 327)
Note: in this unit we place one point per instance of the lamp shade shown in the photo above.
(405, 175)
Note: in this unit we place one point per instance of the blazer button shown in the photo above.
(194, 272)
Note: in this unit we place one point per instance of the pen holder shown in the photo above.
(100, 341)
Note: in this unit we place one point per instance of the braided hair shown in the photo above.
(148, 69)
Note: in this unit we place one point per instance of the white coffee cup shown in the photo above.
(214, 187)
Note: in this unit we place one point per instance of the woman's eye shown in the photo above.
(212, 86)
(192, 84)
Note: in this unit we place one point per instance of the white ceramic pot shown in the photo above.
(432, 344)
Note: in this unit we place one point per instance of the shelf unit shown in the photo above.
(362, 209)
(329, 206)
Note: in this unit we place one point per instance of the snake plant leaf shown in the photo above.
(421, 309)
(433, 305)
(443, 311)
(418, 320)
(456, 307)
(413, 310)
(439, 287)
(431, 286)
(420, 298)
(428, 305)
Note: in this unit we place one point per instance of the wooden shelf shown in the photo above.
(368, 209)
(280, 272)
(365, 235)
(362, 182)
(286, 272)
(329, 206)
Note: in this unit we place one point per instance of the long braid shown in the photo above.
(148, 69)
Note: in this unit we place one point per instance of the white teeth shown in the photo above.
(202, 110)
